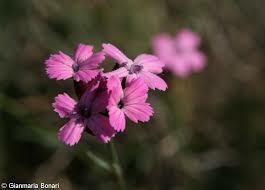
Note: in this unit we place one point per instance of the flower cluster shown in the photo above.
(106, 99)
(180, 54)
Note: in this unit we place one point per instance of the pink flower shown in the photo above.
(144, 66)
(130, 102)
(83, 66)
(87, 113)
(180, 54)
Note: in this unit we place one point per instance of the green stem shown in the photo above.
(117, 167)
(93, 157)
(99, 161)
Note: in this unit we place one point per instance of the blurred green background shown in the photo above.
(208, 131)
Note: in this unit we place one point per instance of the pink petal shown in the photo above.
(83, 52)
(135, 106)
(101, 100)
(117, 118)
(89, 68)
(64, 105)
(100, 103)
(115, 89)
(114, 53)
(198, 60)
(89, 95)
(135, 92)
(181, 66)
(164, 46)
(153, 81)
(150, 63)
(59, 66)
(92, 62)
(186, 39)
(85, 75)
(120, 72)
(139, 112)
(71, 132)
(131, 77)
(100, 127)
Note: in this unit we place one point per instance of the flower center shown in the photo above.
(120, 104)
(135, 68)
(75, 67)
(85, 112)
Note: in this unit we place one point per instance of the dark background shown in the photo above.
(208, 131)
